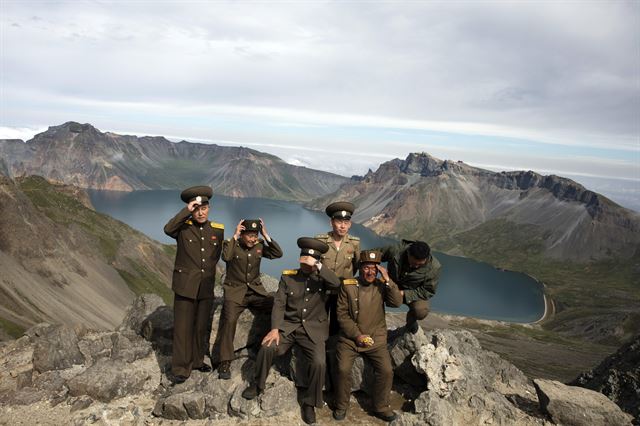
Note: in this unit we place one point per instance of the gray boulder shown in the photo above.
(139, 310)
(56, 348)
(571, 405)
(129, 347)
(96, 345)
(465, 384)
(108, 379)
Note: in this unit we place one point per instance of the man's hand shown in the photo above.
(239, 229)
(263, 231)
(308, 260)
(364, 341)
(192, 205)
(272, 337)
(383, 272)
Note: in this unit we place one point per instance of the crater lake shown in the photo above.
(466, 287)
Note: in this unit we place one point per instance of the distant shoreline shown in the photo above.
(549, 308)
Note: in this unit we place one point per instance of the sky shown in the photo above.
(549, 86)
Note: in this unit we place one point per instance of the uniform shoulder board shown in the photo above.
(290, 272)
(349, 281)
(321, 236)
(217, 225)
(354, 238)
(188, 222)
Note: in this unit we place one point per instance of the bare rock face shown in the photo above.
(109, 379)
(56, 348)
(571, 405)
(139, 310)
(618, 377)
(121, 376)
(465, 383)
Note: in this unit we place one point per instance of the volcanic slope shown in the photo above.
(62, 262)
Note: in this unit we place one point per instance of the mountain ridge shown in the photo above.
(81, 155)
(452, 197)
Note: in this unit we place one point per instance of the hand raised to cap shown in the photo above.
(239, 228)
(263, 230)
(308, 260)
(193, 205)
(383, 272)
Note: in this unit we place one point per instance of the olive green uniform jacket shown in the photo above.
(243, 267)
(419, 284)
(343, 262)
(361, 310)
(300, 301)
(199, 248)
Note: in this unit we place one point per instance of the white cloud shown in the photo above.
(562, 74)
(24, 133)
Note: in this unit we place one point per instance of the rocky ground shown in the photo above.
(60, 375)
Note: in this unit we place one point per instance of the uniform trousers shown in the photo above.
(315, 365)
(383, 374)
(190, 325)
(231, 311)
(418, 310)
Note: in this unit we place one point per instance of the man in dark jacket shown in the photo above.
(242, 286)
(299, 317)
(416, 271)
(199, 244)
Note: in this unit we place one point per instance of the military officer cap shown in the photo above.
(370, 256)
(340, 210)
(201, 194)
(312, 247)
(251, 225)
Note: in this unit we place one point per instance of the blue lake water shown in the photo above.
(466, 287)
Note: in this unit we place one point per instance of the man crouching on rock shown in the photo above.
(199, 244)
(363, 330)
(300, 316)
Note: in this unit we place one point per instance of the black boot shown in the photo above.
(387, 416)
(224, 370)
(339, 414)
(205, 368)
(179, 379)
(251, 392)
(308, 414)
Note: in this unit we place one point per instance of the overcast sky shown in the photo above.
(342, 86)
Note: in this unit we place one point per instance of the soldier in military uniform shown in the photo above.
(363, 330)
(199, 244)
(342, 256)
(417, 272)
(242, 286)
(299, 317)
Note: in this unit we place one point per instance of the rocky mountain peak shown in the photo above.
(422, 163)
(562, 188)
(68, 131)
